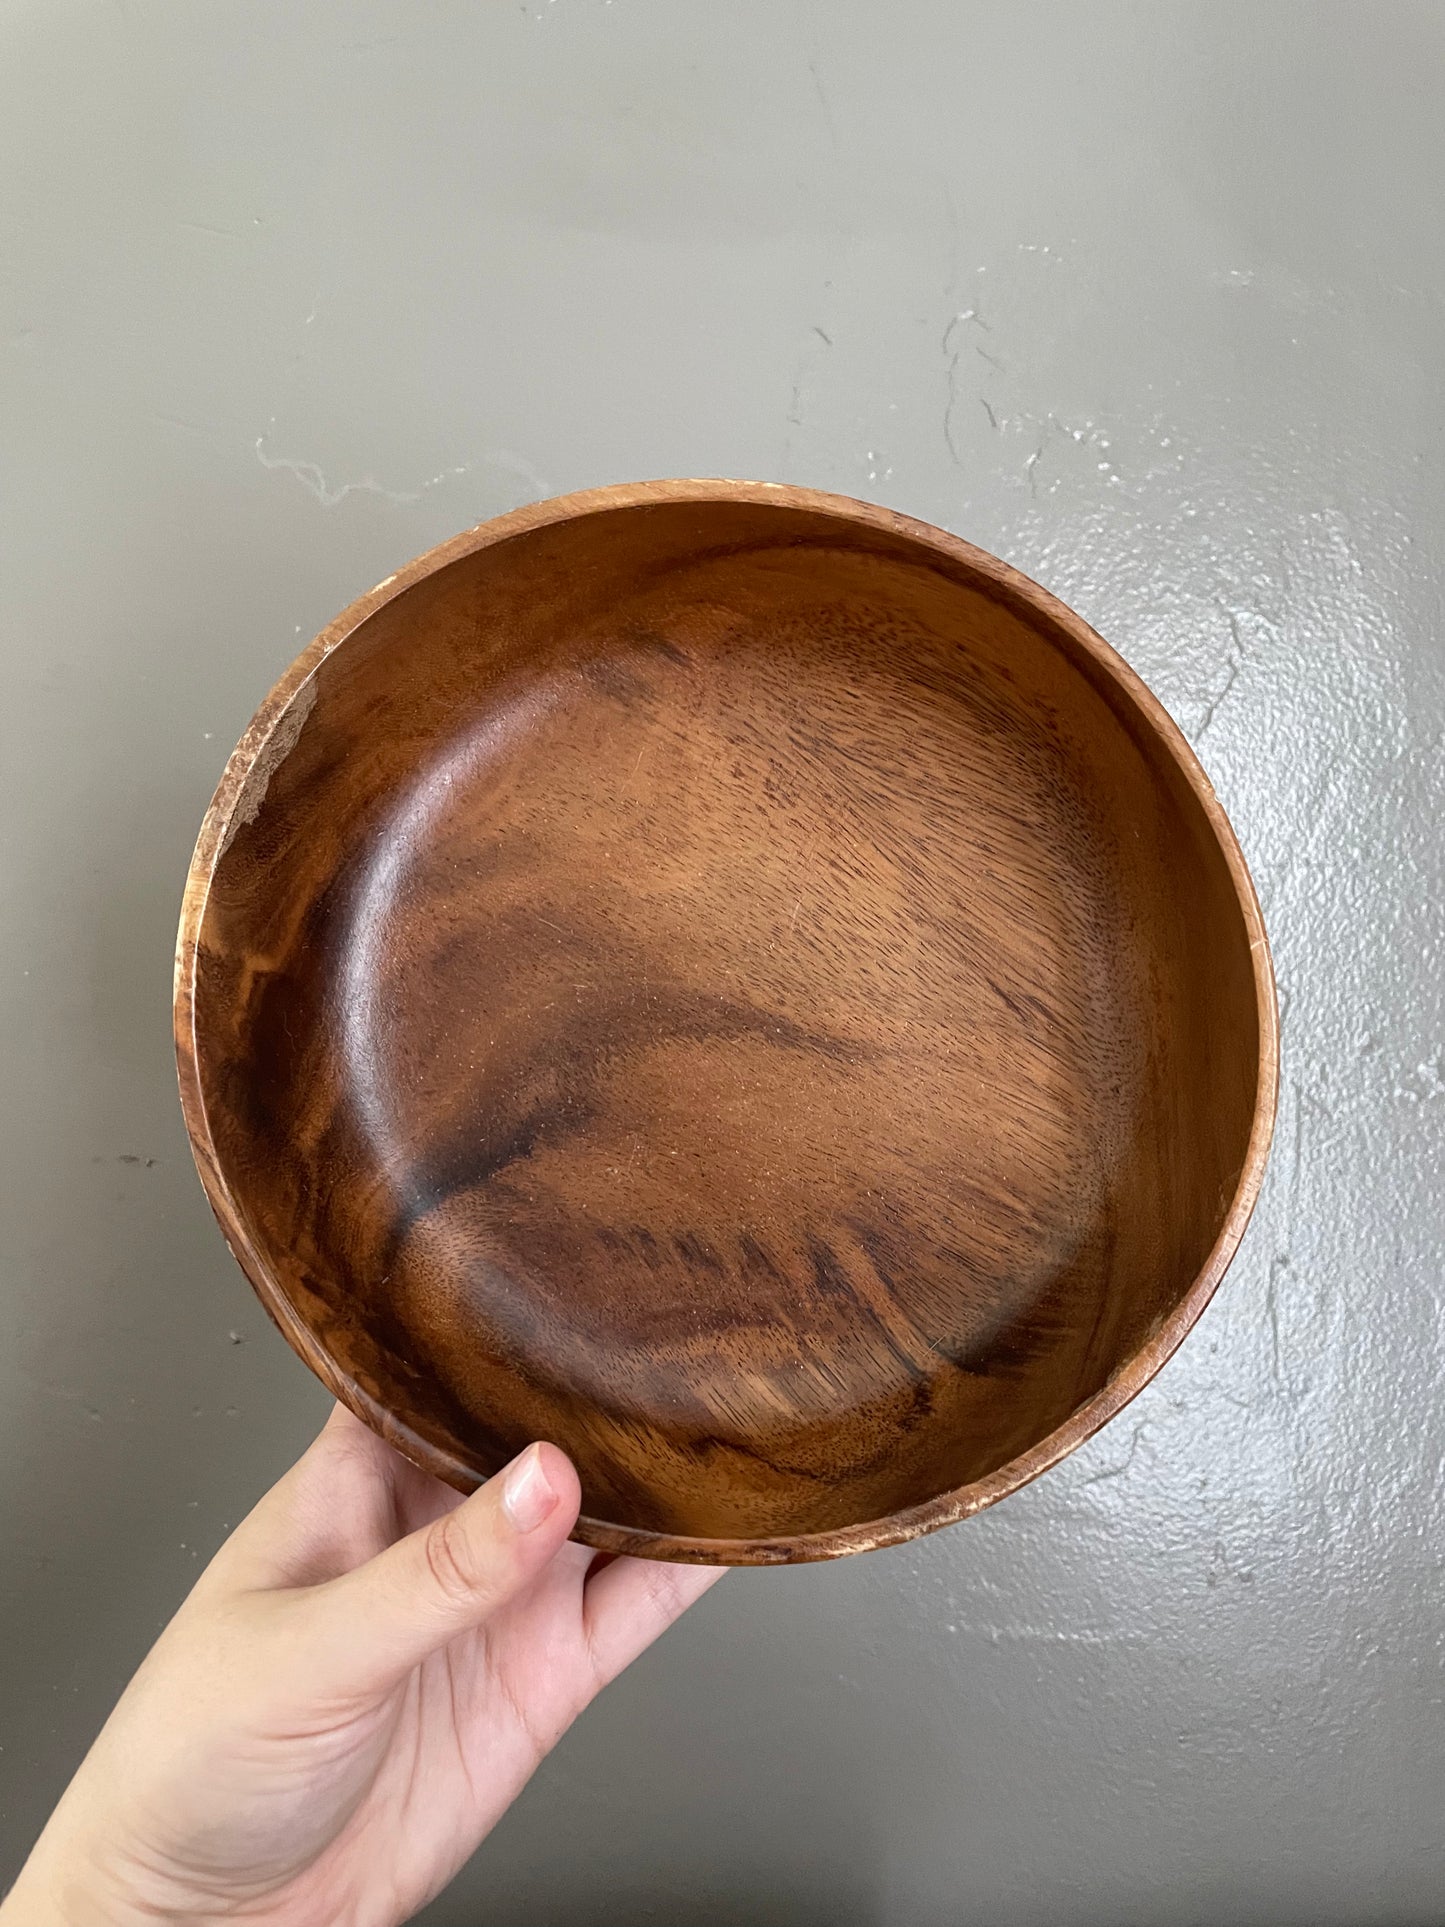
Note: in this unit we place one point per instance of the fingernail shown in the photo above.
(527, 1493)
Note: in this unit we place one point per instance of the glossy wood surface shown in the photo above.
(741, 985)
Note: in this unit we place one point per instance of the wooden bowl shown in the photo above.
(738, 983)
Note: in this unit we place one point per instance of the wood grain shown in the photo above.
(739, 984)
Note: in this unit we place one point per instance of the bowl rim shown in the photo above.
(1050, 615)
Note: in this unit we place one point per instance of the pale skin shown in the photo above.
(362, 1681)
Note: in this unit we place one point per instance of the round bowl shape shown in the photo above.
(740, 984)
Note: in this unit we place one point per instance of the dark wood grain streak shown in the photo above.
(737, 983)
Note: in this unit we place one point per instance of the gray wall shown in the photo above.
(1148, 299)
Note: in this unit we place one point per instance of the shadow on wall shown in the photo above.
(759, 1904)
(147, 1407)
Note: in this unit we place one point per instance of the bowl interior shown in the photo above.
(736, 991)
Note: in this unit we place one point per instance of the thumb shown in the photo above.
(451, 1575)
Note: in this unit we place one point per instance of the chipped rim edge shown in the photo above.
(1111, 672)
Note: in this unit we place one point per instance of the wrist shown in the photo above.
(62, 1888)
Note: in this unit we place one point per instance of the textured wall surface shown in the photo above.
(1149, 300)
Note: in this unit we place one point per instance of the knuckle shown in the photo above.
(665, 1588)
(457, 1569)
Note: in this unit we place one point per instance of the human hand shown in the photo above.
(363, 1679)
